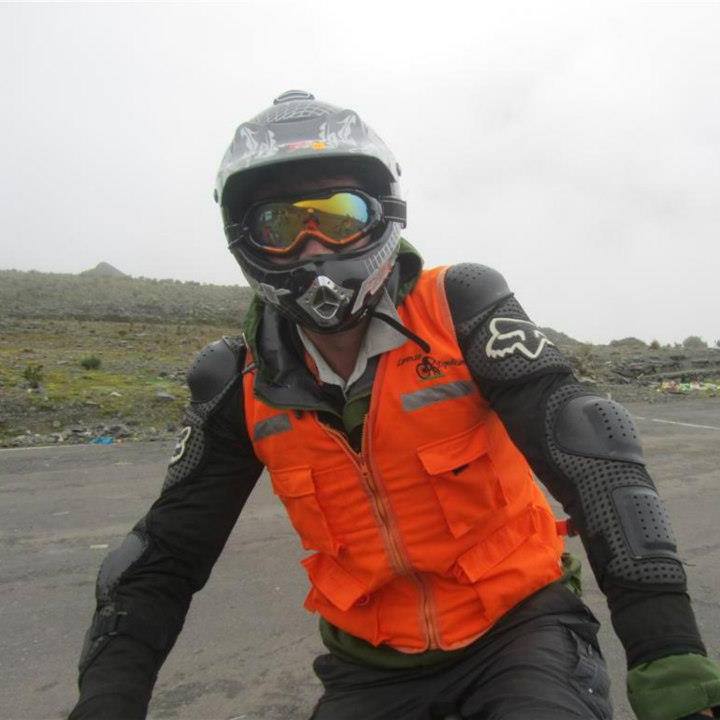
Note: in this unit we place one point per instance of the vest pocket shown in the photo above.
(296, 488)
(463, 478)
(342, 599)
(335, 583)
(513, 561)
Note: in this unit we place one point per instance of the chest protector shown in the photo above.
(436, 528)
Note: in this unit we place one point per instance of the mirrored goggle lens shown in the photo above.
(338, 218)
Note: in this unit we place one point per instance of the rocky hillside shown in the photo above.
(630, 369)
(93, 296)
(86, 358)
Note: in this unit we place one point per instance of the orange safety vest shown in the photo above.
(437, 527)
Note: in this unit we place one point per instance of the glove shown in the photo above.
(669, 687)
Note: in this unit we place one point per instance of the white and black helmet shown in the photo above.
(328, 292)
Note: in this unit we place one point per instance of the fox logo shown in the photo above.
(181, 444)
(510, 335)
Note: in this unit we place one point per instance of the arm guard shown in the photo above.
(586, 451)
(145, 585)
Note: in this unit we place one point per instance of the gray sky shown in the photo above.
(573, 146)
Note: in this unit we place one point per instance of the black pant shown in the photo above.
(540, 662)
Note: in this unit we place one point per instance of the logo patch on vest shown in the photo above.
(428, 368)
(181, 444)
(512, 335)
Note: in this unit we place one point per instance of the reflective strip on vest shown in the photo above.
(272, 426)
(436, 393)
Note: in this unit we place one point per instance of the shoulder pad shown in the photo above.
(214, 367)
(472, 288)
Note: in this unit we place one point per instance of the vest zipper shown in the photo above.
(381, 511)
(432, 634)
(391, 538)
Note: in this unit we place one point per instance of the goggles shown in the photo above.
(336, 218)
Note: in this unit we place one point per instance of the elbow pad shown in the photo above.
(111, 618)
(621, 518)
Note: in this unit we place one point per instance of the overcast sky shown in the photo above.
(575, 147)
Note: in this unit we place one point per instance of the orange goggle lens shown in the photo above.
(278, 227)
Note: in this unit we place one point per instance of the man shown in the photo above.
(399, 413)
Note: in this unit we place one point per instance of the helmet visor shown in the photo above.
(337, 218)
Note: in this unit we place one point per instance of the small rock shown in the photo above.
(56, 423)
(162, 373)
(162, 395)
(115, 393)
(91, 403)
(119, 430)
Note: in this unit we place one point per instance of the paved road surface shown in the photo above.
(247, 645)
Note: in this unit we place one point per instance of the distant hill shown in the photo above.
(103, 269)
(560, 338)
(89, 296)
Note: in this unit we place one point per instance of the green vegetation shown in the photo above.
(83, 353)
(84, 356)
(693, 342)
(46, 390)
(33, 374)
(91, 362)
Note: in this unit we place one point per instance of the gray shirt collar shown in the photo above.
(379, 338)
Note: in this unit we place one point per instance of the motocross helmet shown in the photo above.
(303, 137)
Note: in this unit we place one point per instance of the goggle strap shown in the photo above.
(394, 209)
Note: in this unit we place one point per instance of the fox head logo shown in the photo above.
(180, 444)
(510, 335)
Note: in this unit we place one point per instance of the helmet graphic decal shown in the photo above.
(378, 268)
(251, 144)
(337, 132)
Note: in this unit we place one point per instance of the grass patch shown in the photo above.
(136, 361)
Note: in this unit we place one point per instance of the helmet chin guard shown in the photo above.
(324, 299)
(302, 138)
(326, 293)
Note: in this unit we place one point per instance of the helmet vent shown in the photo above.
(290, 111)
(326, 303)
(293, 95)
(324, 299)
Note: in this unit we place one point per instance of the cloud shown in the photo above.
(575, 147)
